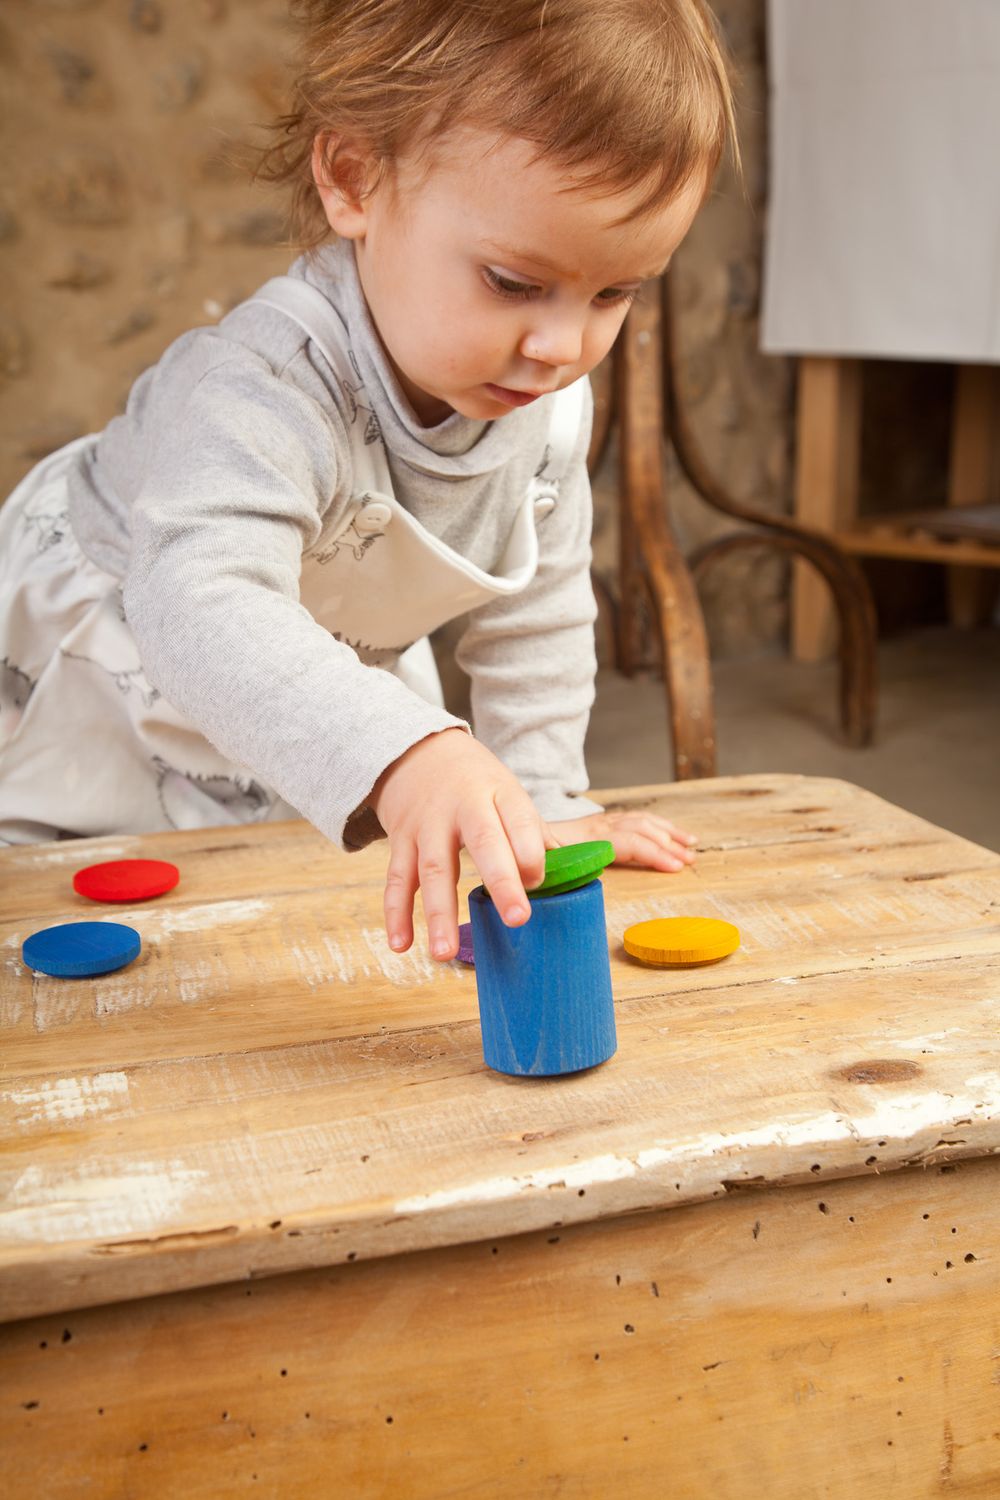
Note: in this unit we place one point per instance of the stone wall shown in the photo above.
(126, 218)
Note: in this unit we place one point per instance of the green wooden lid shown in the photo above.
(574, 865)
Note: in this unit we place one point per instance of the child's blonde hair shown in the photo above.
(625, 93)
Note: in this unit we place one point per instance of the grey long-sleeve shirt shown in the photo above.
(231, 457)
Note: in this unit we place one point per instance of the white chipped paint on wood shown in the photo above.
(122, 993)
(595, 1169)
(194, 980)
(929, 1043)
(70, 853)
(55, 1002)
(58, 1099)
(365, 955)
(413, 967)
(14, 1001)
(907, 1120)
(95, 1200)
(167, 921)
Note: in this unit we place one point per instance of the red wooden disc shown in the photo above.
(126, 879)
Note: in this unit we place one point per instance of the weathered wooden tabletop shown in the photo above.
(268, 1087)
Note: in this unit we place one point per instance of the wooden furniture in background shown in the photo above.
(657, 584)
(827, 483)
(270, 1225)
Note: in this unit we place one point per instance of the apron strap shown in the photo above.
(307, 306)
(564, 427)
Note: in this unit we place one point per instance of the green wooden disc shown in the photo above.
(572, 866)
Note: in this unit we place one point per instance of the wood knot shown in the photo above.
(878, 1070)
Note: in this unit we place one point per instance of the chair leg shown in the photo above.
(687, 671)
(631, 580)
(650, 553)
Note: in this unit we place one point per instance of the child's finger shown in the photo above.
(635, 848)
(400, 889)
(678, 833)
(651, 822)
(662, 833)
(666, 834)
(523, 828)
(669, 841)
(437, 869)
(490, 850)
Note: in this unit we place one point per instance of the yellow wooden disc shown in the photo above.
(681, 940)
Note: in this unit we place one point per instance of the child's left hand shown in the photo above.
(641, 839)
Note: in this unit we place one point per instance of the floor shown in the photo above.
(937, 749)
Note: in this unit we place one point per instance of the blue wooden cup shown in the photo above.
(545, 1002)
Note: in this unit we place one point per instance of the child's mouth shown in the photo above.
(511, 398)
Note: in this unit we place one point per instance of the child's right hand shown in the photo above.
(447, 791)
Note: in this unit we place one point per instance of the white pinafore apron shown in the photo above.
(88, 746)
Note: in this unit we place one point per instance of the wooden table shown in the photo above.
(271, 1226)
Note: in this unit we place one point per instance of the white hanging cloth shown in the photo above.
(883, 226)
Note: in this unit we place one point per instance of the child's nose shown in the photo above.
(554, 341)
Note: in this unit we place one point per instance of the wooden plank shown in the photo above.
(974, 523)
(880, 541)
(827, 471)
(837, 1340)
(974, 478)
(269, 1088)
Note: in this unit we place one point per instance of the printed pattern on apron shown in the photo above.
(88, 746)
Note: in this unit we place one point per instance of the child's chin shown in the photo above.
(483, 408)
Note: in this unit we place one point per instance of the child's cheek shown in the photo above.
(598, 343)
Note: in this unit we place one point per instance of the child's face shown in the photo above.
(489, 283)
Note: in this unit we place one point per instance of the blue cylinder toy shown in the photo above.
(545, 1002)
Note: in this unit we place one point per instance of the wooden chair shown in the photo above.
(639, 395)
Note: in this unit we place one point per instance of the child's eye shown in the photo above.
(612, 296)
(523, 291)
(506, 286)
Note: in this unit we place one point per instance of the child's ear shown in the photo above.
(341, 170)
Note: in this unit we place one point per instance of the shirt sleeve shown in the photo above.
(235, 489)
(531, 660)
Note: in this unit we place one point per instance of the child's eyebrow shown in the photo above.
(512, 252)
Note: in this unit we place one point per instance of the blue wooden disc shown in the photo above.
(75, 950)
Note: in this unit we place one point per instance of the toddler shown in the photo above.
(217, 609)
